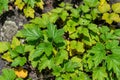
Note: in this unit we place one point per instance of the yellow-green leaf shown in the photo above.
(116, 7)
(7, 57)
(4, 46)
(40, 4)
(15, 42)
(103, 6)
(115, 17)
(106, 17)
(20, 4)
(29, 12)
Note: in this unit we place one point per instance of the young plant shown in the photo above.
(28, 6)
(110, 15)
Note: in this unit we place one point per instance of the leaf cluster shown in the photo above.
(110, 14)
(68, 42)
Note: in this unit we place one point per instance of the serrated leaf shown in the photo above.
(78, 46)
(74, 35)
(54, 34)
(3, 5)
(85, 8)
(83, 21)
(46, 47)
(83, 76)
(104, 29)
(70, 66)
(97, 53)
(7, 57)
(113, 62)
(85, 32)
(53, 17)
(112, 44)
(93, 27)
(60, 56)
(74, 13)
(40, 4)
(117, 32)
(99, 73)
(29, 48)
(45, 62)
(21, 72)
(4, 46)
(15, 43)
(94, 13)
(20, 4)
(29, 12)
(64, 15)
(19, 61)
(30, 2)
(7, 74)
(106, 17)
(104, 7)
(115, 17)
(116, 7)
(57, 10)
(91, 3)
(33, 33)
(20, 49)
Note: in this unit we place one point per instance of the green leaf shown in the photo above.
(19, 79)
(104, 29)
(113, 62)
(64, 15)
(20, 49)
(91, 3)
(46, 47)
(4, 46)
(54, 34)
(70, 66)
(117, 32)
(29, 48)
(61, 56)
(30, 2)
(13, 53)
(19, 61)
(83, 76)
(83, 21)
(31, 34)
(94, 13)
(56, 70)
(36, 53)
(53, 17)
(116, 7)
(57, 10)
(93, 27)
(97, 53)
(7, 74)
(3, 5)
(78, 46)
(45, 62)
(99, 73)
(112, 44)
(88, 16)
(75, 13)
(85, 8)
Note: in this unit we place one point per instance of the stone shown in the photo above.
(8, 30)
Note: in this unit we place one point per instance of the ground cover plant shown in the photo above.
(73, 42)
